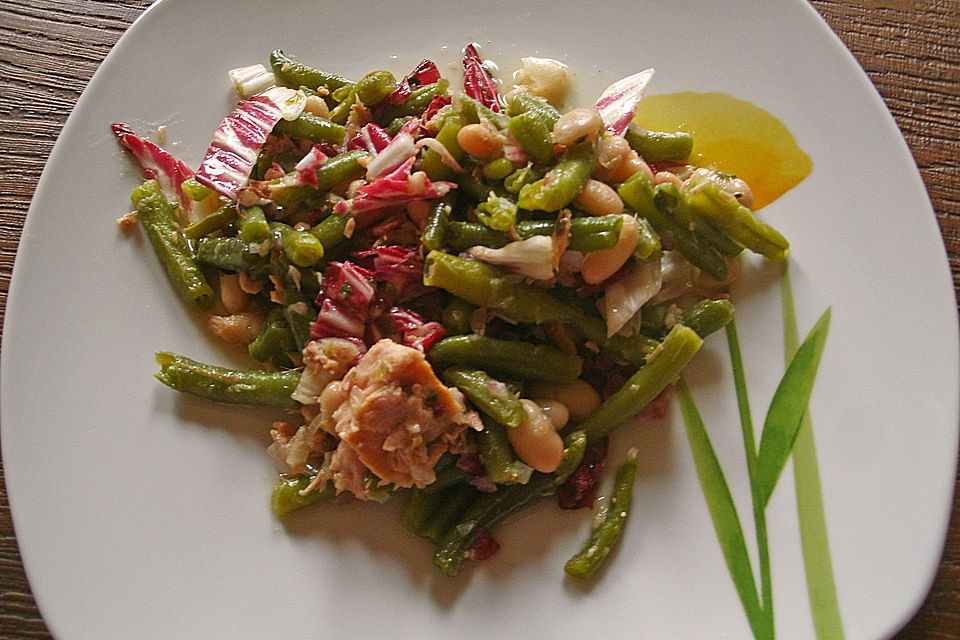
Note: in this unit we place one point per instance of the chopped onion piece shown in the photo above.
(249, 81)
(623, 299)
(532, 257)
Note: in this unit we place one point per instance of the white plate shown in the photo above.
(141, 514)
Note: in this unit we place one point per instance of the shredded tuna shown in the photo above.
(396, 417)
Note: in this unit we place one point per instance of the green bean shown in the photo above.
(227, 385)
(493, 508)
(345, 98)
(254, 226)
(657, 146)
(395, 124)
(563, 182)
(478, 189)
(194, 190)
(447, 135)
(331, 172)
(498, 169)
(737, 221)
(232, 254)
(586, 234)
(301, 247)
(472, 110)
(673, 203)
(311, 127)
(299, 314)
(330, 231)
(286, 498)
(654, 318)
(211, 223)
(648, 245)
(532, 134)
(638, 194)
(520, 178)
(456, 316)
(417, 508)
(157, 217)
(417, 102)
(708, 316)
(485, 286)
(496, 454)
(448, 506)
(487, 394)
(435, 229)
(601, 541)
(448, 477)
(519, 359)
(294, 74)
(375, 86)
(523, 102)
(676, 350)
(274, 343)
(497, 212)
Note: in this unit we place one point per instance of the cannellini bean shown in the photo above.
(631, 165)
(232, 295)
(555, 410)
(238, 328)
(543, 77)
(317, 107)
(665, 176)
(600, 265)
(614, 151)
(536, 441)
(577, 126)
(480, 141)
(578, 396)
(599, 199)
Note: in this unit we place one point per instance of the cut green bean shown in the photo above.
(331, 172)
(227, 385)
(532, 134)
(657, 146)
(708, 316)
(311, 127)
(300, 316)
(330, 232)
(518, 359)
(672, 202)
(563, 182)
(274, 343)
(648, 245)
(254, 226)
(737, 221)
(586, 234)
(676, 350)
(605, 536)
(448, 506)
(434, 231)
(523, 102)
(496, 454)
(638, 194)
(157, 217)
(493, 508)
(375, 86)
(212, 223)
(472, 110)
(498, 169)
(301, 247)
(194, 190)
(456, 316)
(232, 254)
(487, 394)
(286, 497)
(295, 74)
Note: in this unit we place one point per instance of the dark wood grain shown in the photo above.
(50, 48)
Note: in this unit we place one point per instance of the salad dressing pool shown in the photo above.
(733, 136)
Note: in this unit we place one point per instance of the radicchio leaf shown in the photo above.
(425, 73)
(618, 102)
(477, 83)
(158, 164)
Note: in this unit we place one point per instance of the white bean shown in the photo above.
(600, 265)
(577, 126)
(555, 410)
(232, 295)
(599, 199)
(578, 397)
(536, 441)
(480, 141)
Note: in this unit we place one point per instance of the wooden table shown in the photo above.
(50, 48)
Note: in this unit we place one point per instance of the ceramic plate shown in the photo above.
(143, 514)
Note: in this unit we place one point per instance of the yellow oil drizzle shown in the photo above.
(732, 136)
